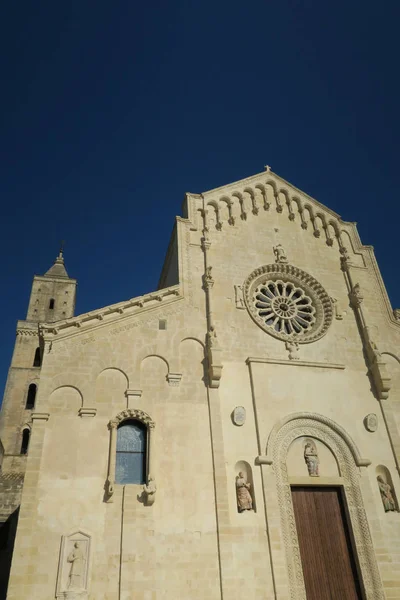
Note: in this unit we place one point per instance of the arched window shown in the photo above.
(51, 304)
(37, 361)
(26, 434)
(130, 464)
(30, 400)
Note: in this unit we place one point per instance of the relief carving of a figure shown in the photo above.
(280, 254)
(244, 499)
(386, 495)
(311, 458)
(77, 571)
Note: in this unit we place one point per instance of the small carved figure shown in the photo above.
(311, 458)
(149, 490)
(212, 337)
(388, 501)
(76, 574)
(356, 295)
(208, 278)
(280, 254)
(239, 296)
(396, 314)
(293, 349)
(244, 499)
(338, 309)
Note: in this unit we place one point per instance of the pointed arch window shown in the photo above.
(26, 434)
(30, 399)
(130, 466)
(37, 361)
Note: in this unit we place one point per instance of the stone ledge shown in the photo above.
(294, 363)
(87, 412)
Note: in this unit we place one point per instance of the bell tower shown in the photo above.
(52, 299)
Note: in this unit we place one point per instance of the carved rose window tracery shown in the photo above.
(284, 307)
(288, 303)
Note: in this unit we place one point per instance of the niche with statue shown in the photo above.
(386, 489)
(244, 487)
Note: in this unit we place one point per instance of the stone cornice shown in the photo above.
(110, 314)
(21, 331)
(295, 363)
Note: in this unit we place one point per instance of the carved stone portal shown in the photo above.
(73, 568)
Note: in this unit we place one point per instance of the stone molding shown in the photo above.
(131, 413)
(38, 416)
(121, 310)
(174, 379)
(295, 363)
(289, 273)
(87, 412)
(317, 418)
(331, 434)
(30, 332)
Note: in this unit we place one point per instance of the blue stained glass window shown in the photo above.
(130, 464)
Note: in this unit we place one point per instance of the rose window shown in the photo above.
(288, 303)
(284, 307)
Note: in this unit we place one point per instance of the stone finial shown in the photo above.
(267, 168)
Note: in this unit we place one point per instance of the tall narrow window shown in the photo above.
(26, 434)
(130, 464)
(37, 361)
(51, 304)
(30, 399)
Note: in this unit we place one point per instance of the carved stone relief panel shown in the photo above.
(239, 415)
(371, 422)
(73, 568)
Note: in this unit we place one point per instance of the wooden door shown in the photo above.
(326, 554)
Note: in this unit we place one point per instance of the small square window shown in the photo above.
(162, 324)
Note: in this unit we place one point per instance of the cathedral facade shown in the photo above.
(233, 434)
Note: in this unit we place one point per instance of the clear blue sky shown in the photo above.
(110, 111)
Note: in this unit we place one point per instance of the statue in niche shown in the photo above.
(311, 458)
(244, 499)
(149, 491)
(77, 571)
(388, 501)
(280, 254)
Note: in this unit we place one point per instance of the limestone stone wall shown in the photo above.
(193, 542)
